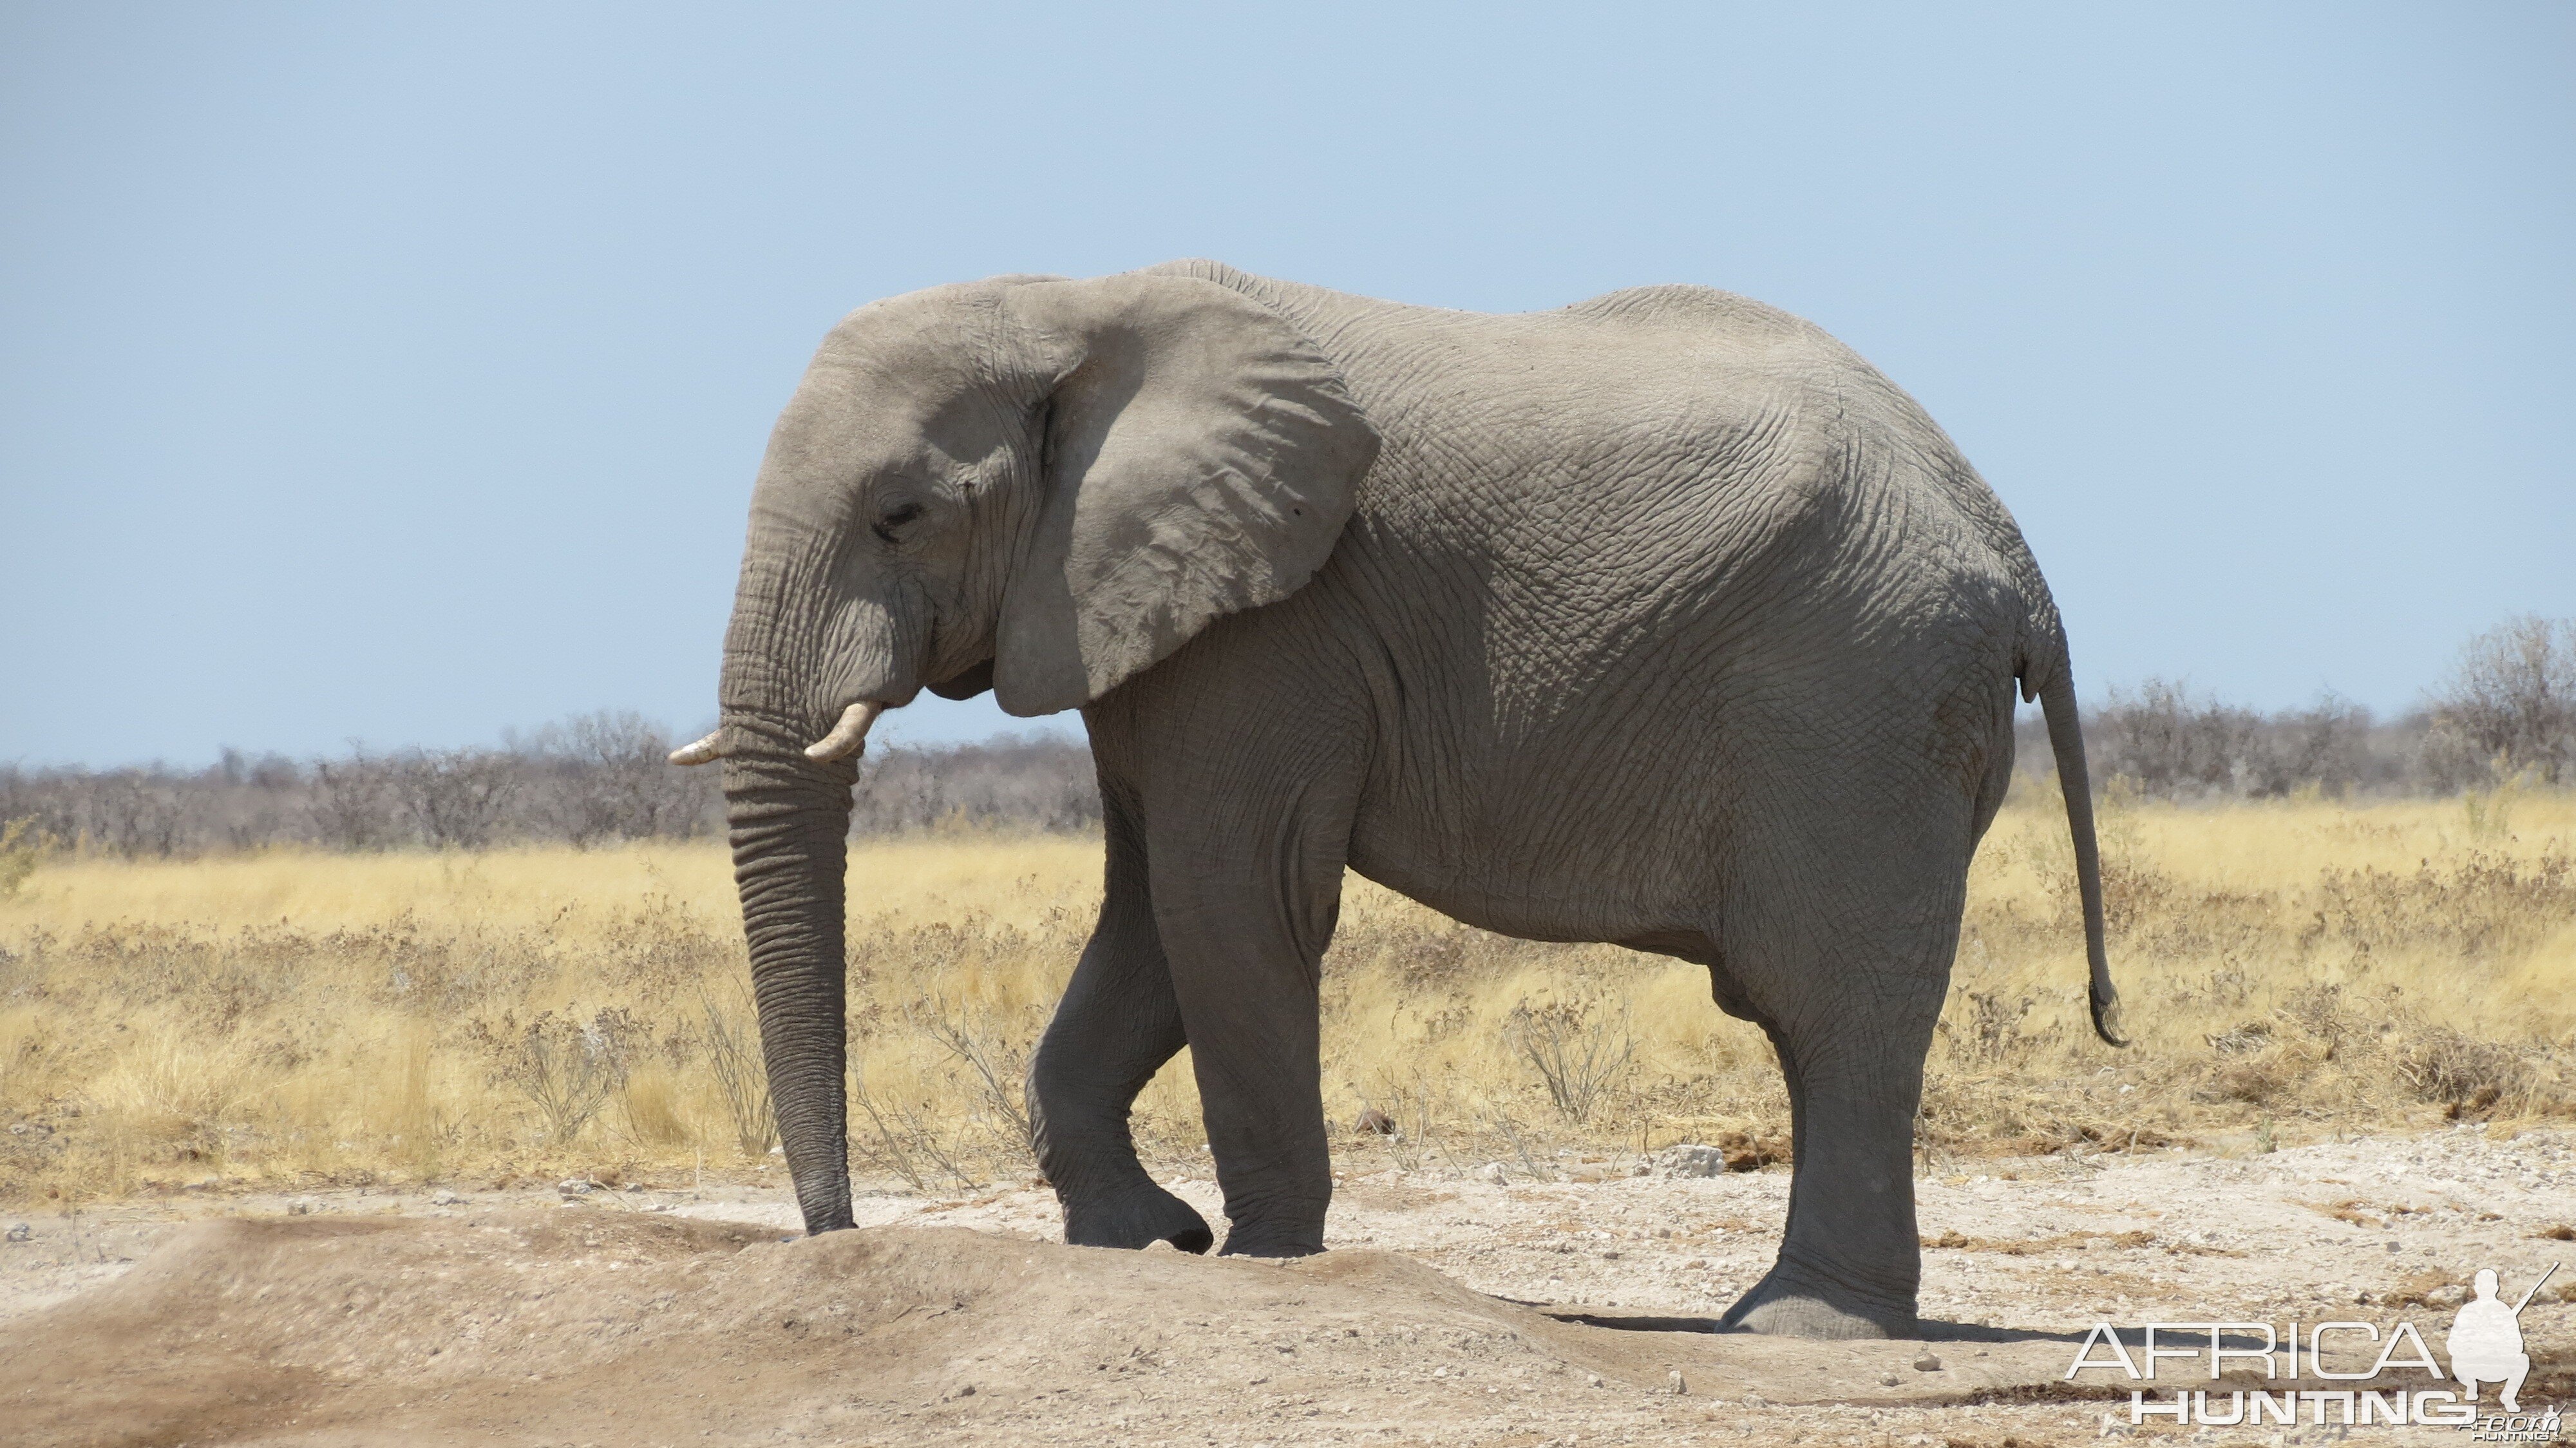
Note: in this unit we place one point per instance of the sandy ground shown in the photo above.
(1449, 1311)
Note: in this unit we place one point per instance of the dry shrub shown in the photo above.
(730, 1030)
(565, 1066)
(1414, 1110)
(961, 1116)
(994, 1049)
(1985, 1028)
(906, 1137)
(1578, 1049)
(2271, 1078)
(2457, 1071)
(2480, 904)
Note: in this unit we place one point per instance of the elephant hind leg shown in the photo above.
(1850, 1264)
(1116, 1026)
(1843, 947)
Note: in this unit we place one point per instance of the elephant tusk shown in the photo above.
(705, 751)
(850, 735)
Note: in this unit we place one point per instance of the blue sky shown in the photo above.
(398, 373)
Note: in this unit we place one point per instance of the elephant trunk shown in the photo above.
(806, 673)
(789, 818)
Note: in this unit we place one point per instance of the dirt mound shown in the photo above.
(582, 1325)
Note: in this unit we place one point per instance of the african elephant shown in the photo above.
(1662, 619)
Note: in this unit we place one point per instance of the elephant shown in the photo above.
(1662, 619)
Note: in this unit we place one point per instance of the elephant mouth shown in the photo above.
(848, 736)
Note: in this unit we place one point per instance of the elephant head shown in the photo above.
(1037, 485)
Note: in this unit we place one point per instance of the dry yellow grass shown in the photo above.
(2289, 967)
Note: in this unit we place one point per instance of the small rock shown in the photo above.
(1691, 1161)
(1160, 1244)
(1593, 1381)
(1674, 1385)
(1887, 1380)
(1376, 1122)
(1927, 1363)
(964, 1390)
(303, 1207)
(21, 1232)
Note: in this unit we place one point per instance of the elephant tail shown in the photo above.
(2066, 742)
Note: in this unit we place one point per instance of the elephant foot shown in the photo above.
(1239, 1244)
(1269, 1232)
(1136, 1217)
(1784, 1304)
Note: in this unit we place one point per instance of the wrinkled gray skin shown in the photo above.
(1662, 619)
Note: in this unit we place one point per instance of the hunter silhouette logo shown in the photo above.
(2485, 1342)
(2318, 1370)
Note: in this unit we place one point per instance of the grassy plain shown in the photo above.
(2291, 969)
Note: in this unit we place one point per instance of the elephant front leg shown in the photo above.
(1247, 987)
(1264, 1106)
(1244, 756)
(1245, 923)
(1117, 1025)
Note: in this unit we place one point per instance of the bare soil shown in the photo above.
(1449, 1311)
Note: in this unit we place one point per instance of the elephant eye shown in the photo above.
(894, 518)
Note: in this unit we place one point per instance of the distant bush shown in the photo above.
(2168, 744)
(599, 778)
(20, 850)
(2509, 706)
(1007, 783)
(605, 776)
(2507, 711)
(2163, 742)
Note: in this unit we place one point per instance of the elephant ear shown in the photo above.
(1201, 457)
